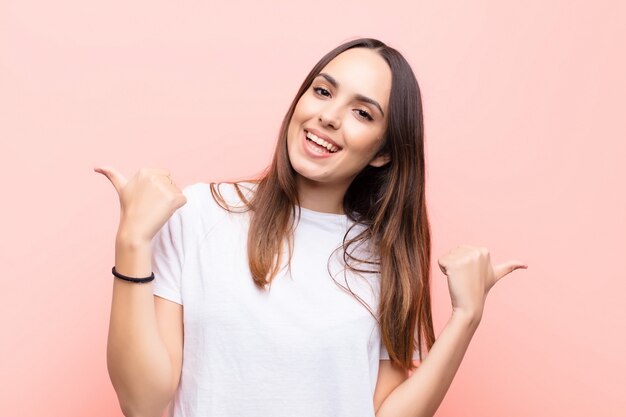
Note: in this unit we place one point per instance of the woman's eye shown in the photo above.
(365, 114)
(325, 93)
(318, 89)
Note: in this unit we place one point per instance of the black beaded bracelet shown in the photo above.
(131, 279)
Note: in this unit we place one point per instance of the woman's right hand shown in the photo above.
(147, 201)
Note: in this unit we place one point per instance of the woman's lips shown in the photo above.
(309, 148)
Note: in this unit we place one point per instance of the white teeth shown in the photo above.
(322, 142)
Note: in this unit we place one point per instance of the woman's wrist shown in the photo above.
(133, 258)
(129, 241)
(472, 318)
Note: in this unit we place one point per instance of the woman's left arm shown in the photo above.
(470, 277)
(422, 393)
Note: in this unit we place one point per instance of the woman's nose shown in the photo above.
(330, 117)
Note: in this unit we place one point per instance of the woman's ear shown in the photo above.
(380, 160)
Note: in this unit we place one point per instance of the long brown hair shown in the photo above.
(389, 200)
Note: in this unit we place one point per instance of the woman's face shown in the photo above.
(347, 105)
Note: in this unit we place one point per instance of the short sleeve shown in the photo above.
(168, 252)
(384, 354)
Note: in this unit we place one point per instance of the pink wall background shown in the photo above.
(525, 129)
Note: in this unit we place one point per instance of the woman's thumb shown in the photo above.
(506, 268)
(117, 179)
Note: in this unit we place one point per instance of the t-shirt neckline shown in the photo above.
(313, 213)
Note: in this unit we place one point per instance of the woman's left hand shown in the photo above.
(471, 276)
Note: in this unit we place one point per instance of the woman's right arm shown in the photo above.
(144, 346)
(140, 366)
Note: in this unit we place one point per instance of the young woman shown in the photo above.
(306, 292)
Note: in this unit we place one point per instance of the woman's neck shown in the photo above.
(319, 196)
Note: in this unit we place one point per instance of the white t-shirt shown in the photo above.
(306, 348)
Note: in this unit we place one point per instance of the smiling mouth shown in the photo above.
(320, 144)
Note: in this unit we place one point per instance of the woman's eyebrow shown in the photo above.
(359, 97)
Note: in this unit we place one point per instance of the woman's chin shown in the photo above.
(308, 176)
